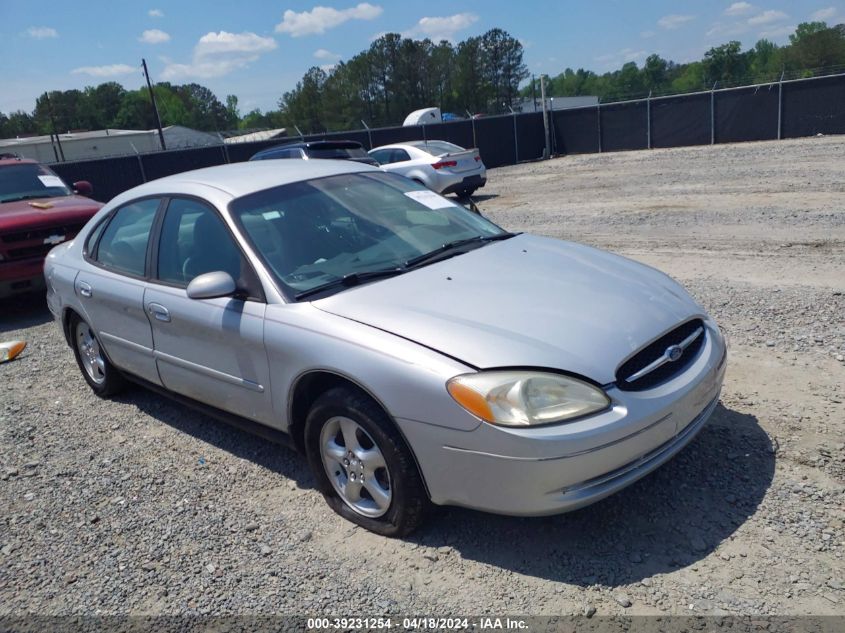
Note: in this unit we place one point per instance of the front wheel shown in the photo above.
(98, 372)
(361, 464)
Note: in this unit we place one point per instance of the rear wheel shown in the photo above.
(466, 193)
(98, 372)
(361, 463)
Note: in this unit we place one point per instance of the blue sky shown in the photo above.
(258, 49)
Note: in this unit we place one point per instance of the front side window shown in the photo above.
(399, 156)
(194, 240)
(382, 156)
(123, 244)
(316, 231)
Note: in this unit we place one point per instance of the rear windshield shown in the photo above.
(27, 181)
(437, 148)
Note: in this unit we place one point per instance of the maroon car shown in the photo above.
(37, 211)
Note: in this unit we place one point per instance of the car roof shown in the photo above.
(339, 144)
(17, 161)
(240, 179)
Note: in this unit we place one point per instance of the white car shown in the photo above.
(439, 165)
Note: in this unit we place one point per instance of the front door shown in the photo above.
(211, 350)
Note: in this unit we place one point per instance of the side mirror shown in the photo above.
(211, 286)
(83, 188)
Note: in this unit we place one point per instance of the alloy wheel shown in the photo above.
(355, 466)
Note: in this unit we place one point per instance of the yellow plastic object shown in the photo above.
(10, 349)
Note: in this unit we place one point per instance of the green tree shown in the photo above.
(655, 72)
(726, 64)
(814, 45)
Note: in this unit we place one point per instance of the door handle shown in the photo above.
(85, 289)
(159, 312)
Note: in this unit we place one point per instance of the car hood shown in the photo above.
(527, 301)
(46, 211)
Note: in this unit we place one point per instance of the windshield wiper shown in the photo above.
(26, 197)
(352, 279)
(431, 256)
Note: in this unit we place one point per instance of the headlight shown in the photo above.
(525, 398)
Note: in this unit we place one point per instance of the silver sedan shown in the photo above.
(441, 166)
(415, 352)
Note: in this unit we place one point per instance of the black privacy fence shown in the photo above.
(789, 109)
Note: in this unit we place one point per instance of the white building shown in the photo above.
(102, 143)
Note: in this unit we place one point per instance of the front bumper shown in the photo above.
(21, 276)
(558, 468)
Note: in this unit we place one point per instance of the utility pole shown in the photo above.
(53, 123)
(153, 99)
(534, 90)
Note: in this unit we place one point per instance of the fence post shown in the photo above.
(140, 162)
(369, 134)
(547, 152)
(648, 119)
(515, 137)
(225, 149)
(780, 106)
(713, 114)
(598, 121)
(474, 138)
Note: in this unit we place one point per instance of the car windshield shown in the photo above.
(314, 232)
(25, 181)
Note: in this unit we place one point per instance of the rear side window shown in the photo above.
(123, 244)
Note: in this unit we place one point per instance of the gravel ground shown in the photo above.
(140, 506)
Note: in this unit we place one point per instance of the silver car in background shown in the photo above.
(439, 165)
(414, 351)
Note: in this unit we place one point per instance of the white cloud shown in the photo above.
(441, 28)
(217, 54)
(674, 21)
(155, 13)
(321, 19)
(721, 29)
(41, 32)
(739, 8)
(647, 34)
(778, 31)
(110, 70)
(617, 59)
(823, 14)
(154, 36)
(328, 68)
(767, 17)
(322, 53)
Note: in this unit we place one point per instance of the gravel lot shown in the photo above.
(139, 505)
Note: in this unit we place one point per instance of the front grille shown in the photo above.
(68, 230)
(656, 350)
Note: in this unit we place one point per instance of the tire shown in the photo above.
(343, 420)
(466, 193)
(103, 378)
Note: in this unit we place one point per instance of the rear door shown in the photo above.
(111, 287)
(211, 350)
